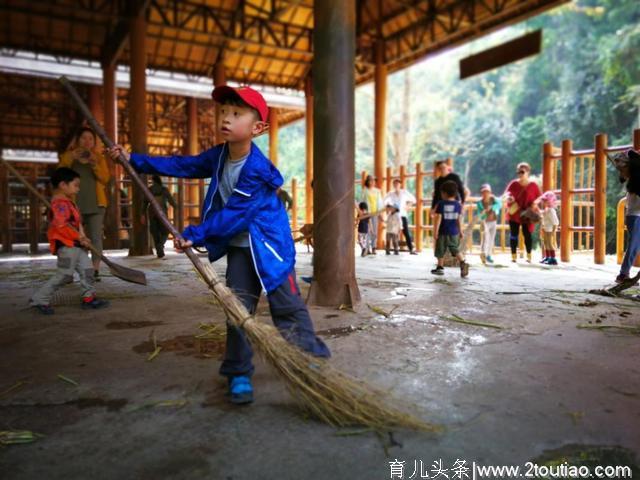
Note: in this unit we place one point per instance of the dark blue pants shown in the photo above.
(288, 310)
(633, 249)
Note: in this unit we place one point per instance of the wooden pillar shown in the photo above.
(566, 214)
(273, 135)
(34, 212)
(418, 215)
(380, 119)
(333, 86)
(112, 219)
(294, 204)
(139, 241)
(403, 177)
(219, 79)
(547, 167)
(600, 200)
(191, 148)
(95, 105)
(5, 212)
(308, 190)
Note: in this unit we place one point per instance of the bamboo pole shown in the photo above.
(566, 207)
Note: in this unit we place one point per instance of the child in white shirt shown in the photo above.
(394, 226)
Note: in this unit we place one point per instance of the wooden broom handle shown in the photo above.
(206, 274)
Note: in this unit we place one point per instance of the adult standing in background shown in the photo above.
(372, 196)
(83, 157)
(157, 229)
(444, 174)
(520, 195)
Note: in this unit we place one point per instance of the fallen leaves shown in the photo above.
(17, 437)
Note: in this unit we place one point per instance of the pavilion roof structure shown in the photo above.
(266, 42)
(258, 42)
(37, 114)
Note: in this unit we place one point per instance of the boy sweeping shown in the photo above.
(243, 219)
(68, 242)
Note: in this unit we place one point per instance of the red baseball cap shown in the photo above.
(248, 95)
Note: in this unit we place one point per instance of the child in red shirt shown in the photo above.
(68, 241)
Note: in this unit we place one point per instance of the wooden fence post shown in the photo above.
(387, 180)
(34, 213)
(566, 206)
(600, 199)
(418, 210)
(294, 205)
(547, 165)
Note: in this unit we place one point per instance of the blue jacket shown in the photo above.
(253, 207)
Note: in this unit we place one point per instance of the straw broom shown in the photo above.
(320, 389)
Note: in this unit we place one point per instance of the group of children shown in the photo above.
(244, 220)
(393, 225)
(448, 230)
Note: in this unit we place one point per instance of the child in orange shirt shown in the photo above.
(68, 241)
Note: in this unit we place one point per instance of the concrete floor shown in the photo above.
(505, 396)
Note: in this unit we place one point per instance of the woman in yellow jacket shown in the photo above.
(83, 157)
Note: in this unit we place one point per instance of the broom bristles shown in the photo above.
(323, 391)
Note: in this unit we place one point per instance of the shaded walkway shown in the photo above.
(505, 395)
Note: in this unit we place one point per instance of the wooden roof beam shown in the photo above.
(221, 24)
(116, 40)
(507, 14)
